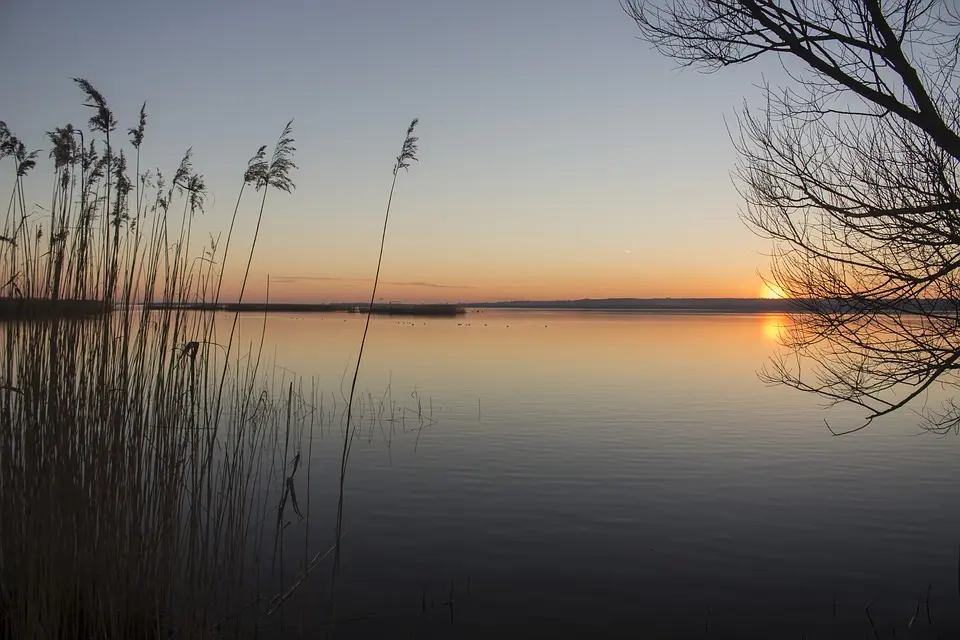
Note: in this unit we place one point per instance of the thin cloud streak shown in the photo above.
(431, 285)
(293, 279)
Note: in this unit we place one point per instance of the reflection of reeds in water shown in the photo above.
(142, 469)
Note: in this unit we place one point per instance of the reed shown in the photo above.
(408, 154)
(144, 461)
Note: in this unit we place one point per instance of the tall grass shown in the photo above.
(408, 154)
(144, 464)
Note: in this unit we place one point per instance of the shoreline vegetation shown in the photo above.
(150, 463)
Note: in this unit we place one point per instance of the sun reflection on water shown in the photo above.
(775, 327)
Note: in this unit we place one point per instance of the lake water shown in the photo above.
(620, 474)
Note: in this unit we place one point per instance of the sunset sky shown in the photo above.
(560, 157)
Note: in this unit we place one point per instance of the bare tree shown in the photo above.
(851, 170)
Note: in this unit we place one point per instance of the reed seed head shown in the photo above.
(136, 134)
(408, 153)
(103, 121)
(281, 164)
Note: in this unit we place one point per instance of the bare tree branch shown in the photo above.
(852, 173)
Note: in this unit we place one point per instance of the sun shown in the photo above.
(772, 291)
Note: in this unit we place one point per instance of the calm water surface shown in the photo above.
(617, 474)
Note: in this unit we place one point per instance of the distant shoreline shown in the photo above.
(46, 309)
(691, 305)
(648, 305)
(735, 305)
(433, 310)
(687, 305)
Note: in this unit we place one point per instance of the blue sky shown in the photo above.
(560, 156)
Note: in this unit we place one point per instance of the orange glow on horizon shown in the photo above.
(493, 283)
(772, 292)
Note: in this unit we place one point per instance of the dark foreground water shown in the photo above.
(621, 475)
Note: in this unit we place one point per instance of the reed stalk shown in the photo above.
(132, 465)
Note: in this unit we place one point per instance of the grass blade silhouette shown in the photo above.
(408, 154)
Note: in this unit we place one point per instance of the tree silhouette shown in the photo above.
(852, 171)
